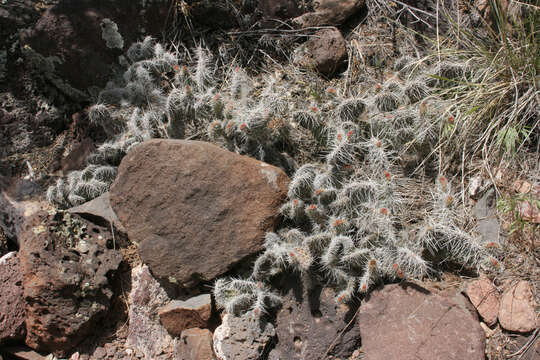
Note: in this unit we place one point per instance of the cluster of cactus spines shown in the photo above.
(416, 90)
(312, 120)
(130, 112)
(142, 50)
(82, 186)
(450, 70)
(99, 114)
(238, 297)
(109, 33)
(346, 214)
(441, 234)
(249, 126)
(351, 109)
(403, 64)
(387, 100)
(179, 106)
(158, 97)
(203, 68)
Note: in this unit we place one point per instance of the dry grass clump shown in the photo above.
(492, 83)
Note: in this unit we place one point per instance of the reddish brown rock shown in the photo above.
(11, 298)
(178, 316)
(517, 309)
(325, 52)
(66, 265)
(23, 353)
(194, 209)
(485, 298)
(195, 344)
(330, 12)
(529, 211)
(408, 322)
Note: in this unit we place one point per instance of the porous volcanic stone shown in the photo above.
(408, 322)
(178, 315)
(194, 209)
(67, 290)
(11, 298)
(485, 298)
(516, 312)
(325, 52)
(310, 323)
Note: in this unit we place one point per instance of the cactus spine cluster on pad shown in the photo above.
(345, 214)
(158, 97)
(130, 111)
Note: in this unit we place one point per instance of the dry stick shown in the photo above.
(463, 177)
(341, 333)
(438, 36)
(113, 238)
(414, 8)
(277, 31)
(415, 16)
(525, 347)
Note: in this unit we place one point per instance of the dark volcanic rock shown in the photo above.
(15, 15)
(310, 323)
(71, 31)
(212, 14)
(330, 12)
(279, 9)
(11, 298)
(66, 265)
(408, 322)
(25, 126)
(99, 211)
(194, 209)
(4, 243)
(325, 52)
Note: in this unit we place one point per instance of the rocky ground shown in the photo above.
(130, 274)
